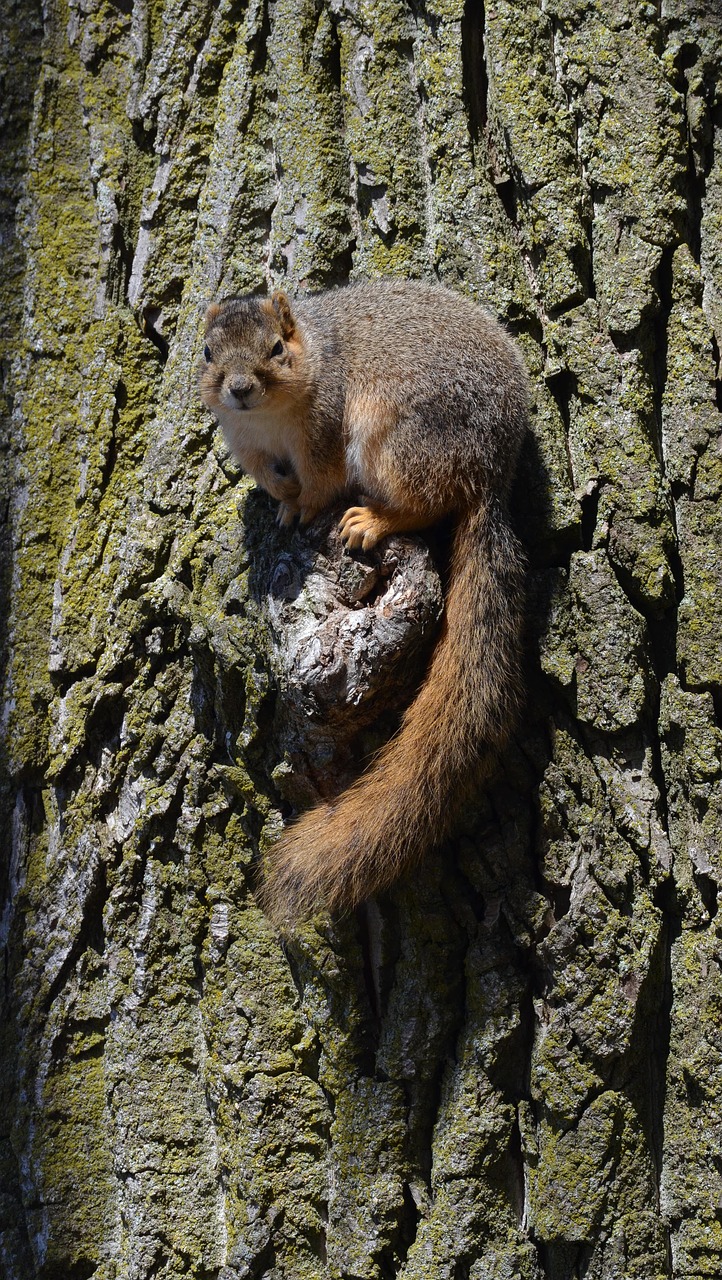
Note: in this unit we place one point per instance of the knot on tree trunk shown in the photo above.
(348, 637)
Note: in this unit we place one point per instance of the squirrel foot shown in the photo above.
(365, 526)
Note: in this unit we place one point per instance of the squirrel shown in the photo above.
(418, 399)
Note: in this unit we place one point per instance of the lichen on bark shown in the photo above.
(509, 1065)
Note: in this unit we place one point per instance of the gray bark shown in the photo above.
(508, 1066)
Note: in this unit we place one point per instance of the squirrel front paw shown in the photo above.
(286, 514)
(282, 484)
(307, 513)
(288, 511)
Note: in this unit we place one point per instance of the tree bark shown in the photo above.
(510, 1065)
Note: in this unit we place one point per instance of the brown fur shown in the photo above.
(418, 398)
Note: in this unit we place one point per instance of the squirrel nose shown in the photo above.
(239, 387)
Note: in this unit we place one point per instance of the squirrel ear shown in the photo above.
(211, 313)
(282, 308)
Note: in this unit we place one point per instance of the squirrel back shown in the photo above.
(418, 398)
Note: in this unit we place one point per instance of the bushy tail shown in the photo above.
(341, 853)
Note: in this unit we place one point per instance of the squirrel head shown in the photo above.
(253, 354)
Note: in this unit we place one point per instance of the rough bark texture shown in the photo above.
(511, 1066)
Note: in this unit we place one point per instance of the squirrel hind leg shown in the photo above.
(365, 526)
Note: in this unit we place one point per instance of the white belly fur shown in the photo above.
(354, 457)
(367, 424)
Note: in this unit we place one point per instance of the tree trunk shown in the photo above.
(510, 1066)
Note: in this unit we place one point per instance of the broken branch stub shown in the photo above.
(348, 638)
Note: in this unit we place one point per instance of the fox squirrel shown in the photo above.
(417, 398)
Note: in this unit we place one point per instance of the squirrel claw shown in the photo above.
(286, 514)
(361, 527)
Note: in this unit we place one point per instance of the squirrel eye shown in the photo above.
(278, 349)
(207, 354)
